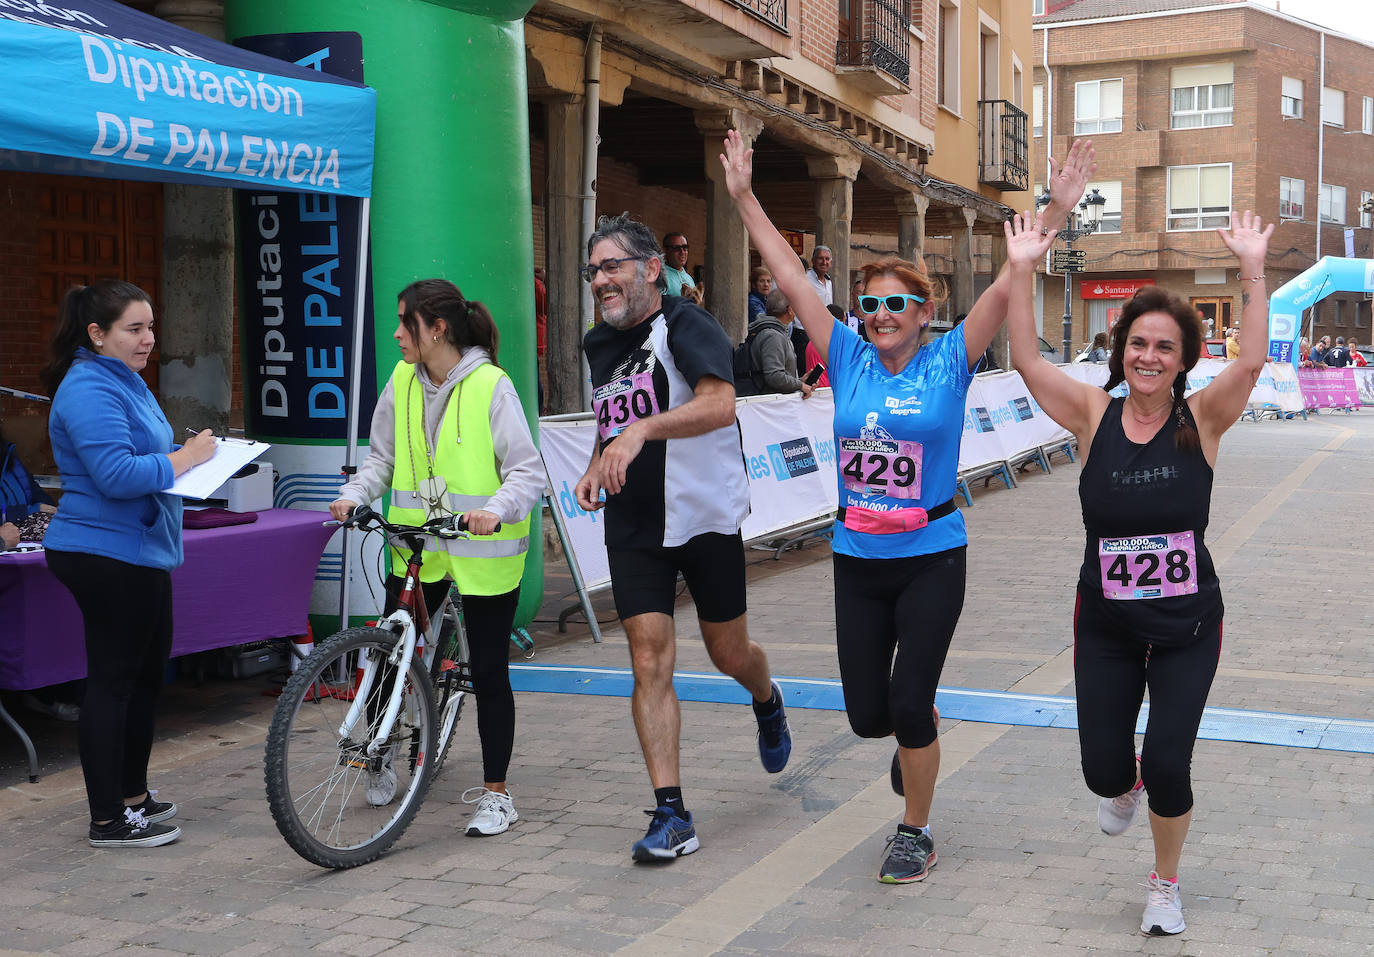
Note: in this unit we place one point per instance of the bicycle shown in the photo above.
(369, 700)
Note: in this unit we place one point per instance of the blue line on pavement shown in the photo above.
(964, 704)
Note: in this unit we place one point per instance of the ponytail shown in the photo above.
(1186, 438)
(102, 303)
(469, 322)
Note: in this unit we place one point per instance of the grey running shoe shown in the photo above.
(909, 858)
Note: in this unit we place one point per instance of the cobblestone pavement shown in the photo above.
(1278, 863)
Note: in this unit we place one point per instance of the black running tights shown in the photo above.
(909, 606)
(1111, 672)
(127, 611)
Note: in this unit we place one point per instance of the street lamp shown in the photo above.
(1079, 224)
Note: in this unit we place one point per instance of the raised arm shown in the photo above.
(1067, 183)
(777, 254)
(1217, 406)
(1075, 405)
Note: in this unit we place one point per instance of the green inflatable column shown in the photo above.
(451, 187)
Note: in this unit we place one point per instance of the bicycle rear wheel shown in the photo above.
(317, 781)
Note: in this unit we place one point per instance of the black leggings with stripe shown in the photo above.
(1112, 669)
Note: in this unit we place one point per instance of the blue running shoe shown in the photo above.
(775, 737)
(668, 837)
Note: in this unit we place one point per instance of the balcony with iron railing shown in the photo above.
(878, 59)
(771, 12)
(1002, 145)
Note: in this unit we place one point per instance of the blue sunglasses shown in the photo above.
(895, 303)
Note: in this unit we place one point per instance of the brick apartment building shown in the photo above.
(1199, 110)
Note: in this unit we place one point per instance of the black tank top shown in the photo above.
(1145, 511)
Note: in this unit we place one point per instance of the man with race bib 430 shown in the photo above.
(669, 459)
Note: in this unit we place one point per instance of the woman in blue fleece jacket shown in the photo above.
(114, 543)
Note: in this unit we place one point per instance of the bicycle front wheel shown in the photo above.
(336, 805)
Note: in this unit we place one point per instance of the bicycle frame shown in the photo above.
(411, 617)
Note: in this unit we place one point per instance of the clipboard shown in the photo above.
(231, 454)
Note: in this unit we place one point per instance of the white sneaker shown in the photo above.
(1114, 815)
(495, 812)
(381, 784)
(1163, 908)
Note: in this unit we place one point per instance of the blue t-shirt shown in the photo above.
(897, 439)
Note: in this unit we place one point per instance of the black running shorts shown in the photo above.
(645, 579)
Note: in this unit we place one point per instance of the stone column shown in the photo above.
(727, 242)
(196, 328)
(834, 177)
(911, 225)
(566, 249)
(962, 293)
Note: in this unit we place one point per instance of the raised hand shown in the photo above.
(1067, 182)
(1249, 242)
(739, 165)
(1027, 239)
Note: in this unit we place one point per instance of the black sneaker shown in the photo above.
(909, 858)
(155, 811)
(133, 831)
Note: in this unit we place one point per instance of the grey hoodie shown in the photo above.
(518, 461)
(773, 355)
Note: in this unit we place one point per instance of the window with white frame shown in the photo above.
(1290, 197)
(1290, 100)
(1331, 204)
(1199, 197)
(1367, 115)
(1366, 217)
(1097, 107)
(1037, 8)
(1333, 106)
(947, 65)
(1038, 110)
(1201, 96)
(1111, 211)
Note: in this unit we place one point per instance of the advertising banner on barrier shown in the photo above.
(1364, 381)
(1020, 423)
(789, 452)
(567, 448)
(1329, 388)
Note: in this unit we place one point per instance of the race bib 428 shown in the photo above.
(1148, 566)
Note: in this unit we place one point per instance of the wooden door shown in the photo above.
(91, 229)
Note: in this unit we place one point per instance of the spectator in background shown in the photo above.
(24, 507)
(1232, 342)
(760, 285)
(1339, 356)
(819, 274)
(675, 276)
(1305, 360)
(771, 351)
(1319, 351)
(1357, 358)
(1099, 351)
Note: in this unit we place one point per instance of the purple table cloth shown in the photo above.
(239, 583)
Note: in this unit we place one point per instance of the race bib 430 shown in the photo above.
(621, 403)
(1148, 566)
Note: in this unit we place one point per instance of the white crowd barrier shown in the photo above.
(789, 448)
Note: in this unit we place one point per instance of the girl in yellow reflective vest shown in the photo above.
(449, 437)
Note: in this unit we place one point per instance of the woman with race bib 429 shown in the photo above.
(899, 541)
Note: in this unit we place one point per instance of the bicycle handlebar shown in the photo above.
(451, 526)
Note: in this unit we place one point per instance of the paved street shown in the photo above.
(1278, 863)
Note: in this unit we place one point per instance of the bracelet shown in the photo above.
(1251, 278)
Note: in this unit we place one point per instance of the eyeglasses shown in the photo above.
(677, 248)
(611, 267)
(895, 303)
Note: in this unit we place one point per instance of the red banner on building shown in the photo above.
(1112, 288)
